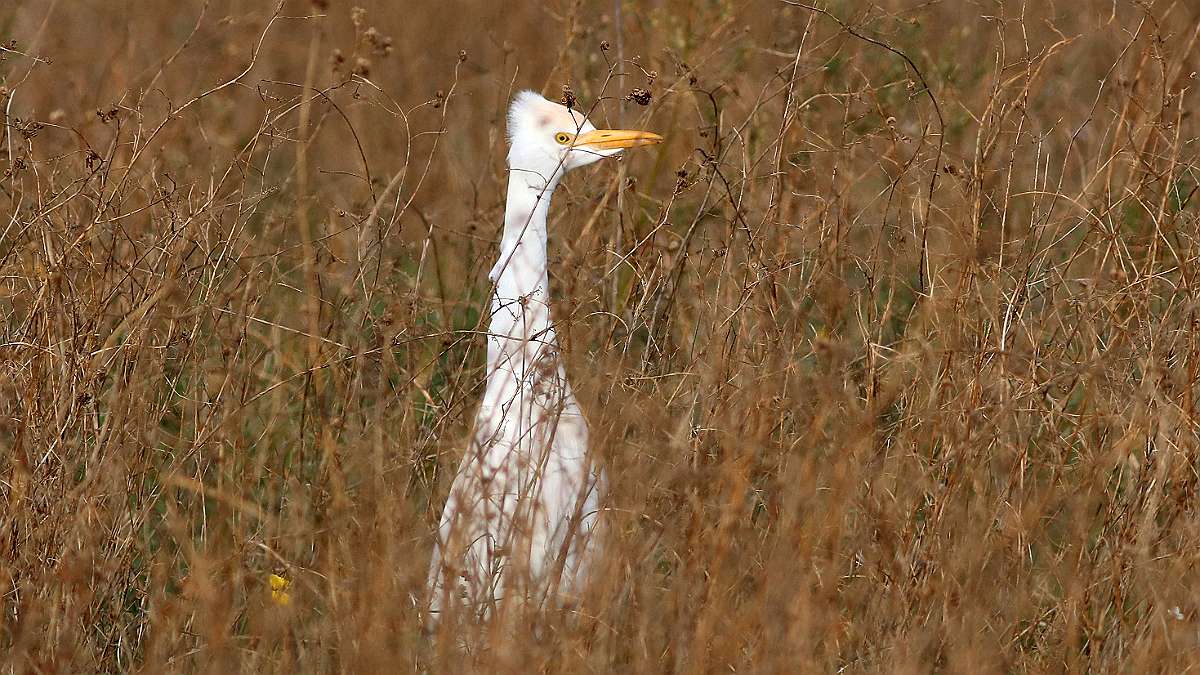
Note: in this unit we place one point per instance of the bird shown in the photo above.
(522, 518)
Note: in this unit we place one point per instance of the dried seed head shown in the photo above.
(681, 183)
(379, 45)
(639, 96)
(28, 128)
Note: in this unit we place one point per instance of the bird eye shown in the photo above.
(562, 138)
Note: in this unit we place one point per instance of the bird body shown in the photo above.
(522, 515)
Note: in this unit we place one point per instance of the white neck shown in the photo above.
(521, 306)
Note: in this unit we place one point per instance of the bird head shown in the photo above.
(547, 139)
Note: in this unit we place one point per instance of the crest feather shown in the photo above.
(531, 111)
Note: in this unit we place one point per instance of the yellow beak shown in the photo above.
(614, 139)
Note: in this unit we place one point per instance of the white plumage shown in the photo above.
(522, 516)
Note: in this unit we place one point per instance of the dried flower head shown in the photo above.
(639, 96)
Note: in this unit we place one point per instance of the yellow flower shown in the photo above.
(279, 586)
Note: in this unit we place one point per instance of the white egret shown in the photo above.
(521, 517)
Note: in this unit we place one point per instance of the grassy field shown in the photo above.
(890, 350)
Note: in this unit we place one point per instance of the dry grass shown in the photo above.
(891, 349)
